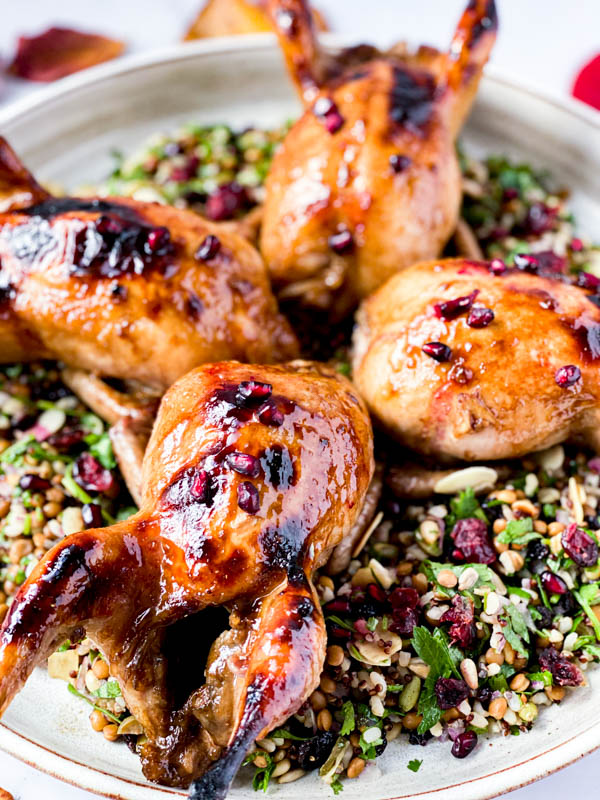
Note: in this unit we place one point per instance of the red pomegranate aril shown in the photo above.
(438, 351)
(199, 486)
(209, 248)
(580, 546)
(480, 317)
(253, 392)
(89, 473)
(399, 162)
(243, 464)
(341, 242)
(497, 266)
(248, 497)
(33, 483)
(328, 113)
(269, 414)
(464, 744)
(553, 583)
(338, 606)
(91, 514)
(376, 592)
(567, 376)
(588, 281)
(226, 201)
(449, 309)
(106, 224)
(576, 245)
(156, 240)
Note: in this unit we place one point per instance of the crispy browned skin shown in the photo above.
(196, 548)
(116, 287)
(234, 17)
(322, 183)
(497, 396)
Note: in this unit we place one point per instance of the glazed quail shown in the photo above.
(127, 289)
(252, 475)
(473, 360)
(367, 182)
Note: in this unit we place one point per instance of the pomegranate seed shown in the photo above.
(588, 281)
(89, 473)
(269, 414)
(328, 113)
(539, 219)
(33, 483)
(248, 497)
(553, 583)
(199, 487)
(341, 242)
(576, 245)
(338, 606)
(438, 351)
(252, 392)
(449, 309)
(244, 464)
(567, 376)
(580, 546)
(376, 593)
(462, 618)
(399, 163)
(497, 266)
(226, 201)
(526, 263)
(208, 249)
(480, 317)
(464, 744)
(106, 224)
(91, 514)
(156, 241)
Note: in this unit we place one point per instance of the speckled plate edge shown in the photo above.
(492, 784)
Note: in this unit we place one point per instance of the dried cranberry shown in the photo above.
(450, 692)
(399, 162)
(89, 473)
(328, 113)
(564, 673)
(449, 309)
(553, 583)
(497, 266)
(244, 464)
(209, 248)
(186, 171)
(464, 744)
(580, 546)
(567, 376)
(33, 483)
(539, 219)
(66, 438)
(462, 618)
(248, 497)
(158, 242)
(314, 752)
(252, 392)
(339, 633)
(270, 414)
(480, 317)
(472, 541)
(404, 597)
(91, 514)
(438, 351)
(341, 242)
(226, 201)
(546, 617)
(405, 613)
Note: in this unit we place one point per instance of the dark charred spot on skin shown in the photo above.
(278, 466)
(303, 609)
(488, 22)
(191, 486)
(195, 306)
(328, 114)
(118, 241)
(399, 163)
(411, 98)
(281, 547)
(118, 292)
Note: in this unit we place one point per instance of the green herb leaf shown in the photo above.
(414, 765)
(106, 713)
(515, 631)
(519, 532)
(466, 505)
(102, 450)
(587, 596)
(340, 622)
(108, 690)
(282, 733)
(349, 722)
(74, 489)
(544, 677)
(337, 786)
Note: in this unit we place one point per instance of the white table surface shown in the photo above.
(542, 43)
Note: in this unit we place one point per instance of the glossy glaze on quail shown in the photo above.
(367, 181)
(525, 380)
(252, 475)
(128, 289)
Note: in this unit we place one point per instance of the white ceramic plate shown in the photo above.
(65, 134)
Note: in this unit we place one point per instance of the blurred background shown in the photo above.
(543, 44)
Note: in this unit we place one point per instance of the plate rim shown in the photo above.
(48, 761)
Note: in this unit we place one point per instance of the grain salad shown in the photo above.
(462, 613)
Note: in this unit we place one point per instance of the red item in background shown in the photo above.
(61, 51)
(587, 83)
